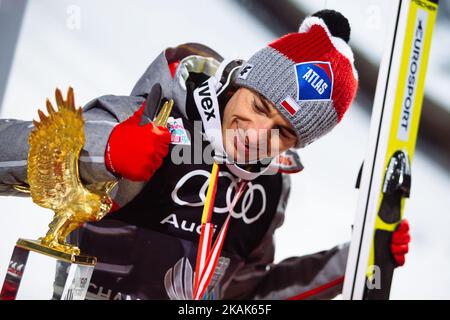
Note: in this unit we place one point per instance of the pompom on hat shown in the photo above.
(309, 75)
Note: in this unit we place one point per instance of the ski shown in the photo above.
(386, 175)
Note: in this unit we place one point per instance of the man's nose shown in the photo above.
(260, 131)
(262, 122)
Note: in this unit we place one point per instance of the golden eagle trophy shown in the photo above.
(55, 144)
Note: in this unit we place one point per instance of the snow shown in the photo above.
(112, 47)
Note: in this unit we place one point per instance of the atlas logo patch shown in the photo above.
(314, 80)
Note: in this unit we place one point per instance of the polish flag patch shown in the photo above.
(290, 105)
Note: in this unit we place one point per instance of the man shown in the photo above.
(247, 117)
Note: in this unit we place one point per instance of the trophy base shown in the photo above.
(32, 269)
(36, 246)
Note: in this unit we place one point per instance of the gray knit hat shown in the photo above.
(309, 76)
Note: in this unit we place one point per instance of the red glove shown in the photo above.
(400, 242)
(135, 152)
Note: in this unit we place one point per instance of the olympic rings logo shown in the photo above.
(246, 202)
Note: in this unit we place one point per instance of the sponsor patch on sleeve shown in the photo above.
(178, 133)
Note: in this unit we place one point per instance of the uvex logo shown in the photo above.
(206, 102)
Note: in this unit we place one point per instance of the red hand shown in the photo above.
(135, 152)
(400, 242)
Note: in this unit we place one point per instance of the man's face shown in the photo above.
(253, 128)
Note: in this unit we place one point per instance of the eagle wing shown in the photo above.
(55, 144)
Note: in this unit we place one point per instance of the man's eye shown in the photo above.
(284, 132)
(258, 108)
